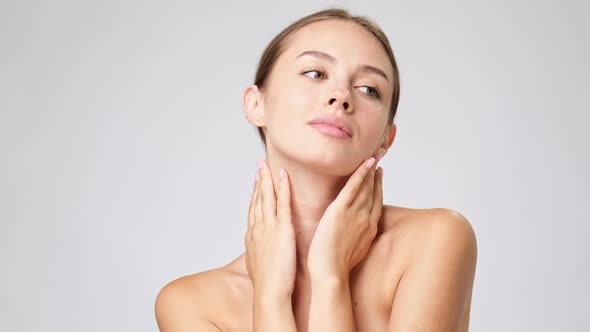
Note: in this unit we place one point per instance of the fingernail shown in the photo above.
(370, 162)
(380, 171)
(259, 164)
(282, 173)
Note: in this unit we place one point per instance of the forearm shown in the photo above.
(270, 314)
(331, 306)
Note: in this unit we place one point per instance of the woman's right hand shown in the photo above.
(270, 237)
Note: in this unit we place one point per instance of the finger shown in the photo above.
(258, 202)
(364, 198)
(269, 209)
(350, 190)
(251, 209)
(365, 191)
(362, 202)
(377, 197)
(284, 198)
(248, 268)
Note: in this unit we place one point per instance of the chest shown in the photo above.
(369, 304)
(372, 288)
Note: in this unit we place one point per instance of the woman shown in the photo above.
(322, 251)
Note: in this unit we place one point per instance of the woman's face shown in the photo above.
(329, 68)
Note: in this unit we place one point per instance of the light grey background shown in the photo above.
(127, 161)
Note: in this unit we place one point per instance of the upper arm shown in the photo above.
(176, 310)
(435, 290)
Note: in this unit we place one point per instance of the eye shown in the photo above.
(314, 73)
(371, 91)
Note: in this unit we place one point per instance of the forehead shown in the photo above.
(347, 41)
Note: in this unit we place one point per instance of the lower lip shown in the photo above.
(330, 130)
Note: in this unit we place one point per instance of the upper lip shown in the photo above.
(333, 120)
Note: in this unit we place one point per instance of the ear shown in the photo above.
(253, 105)
(388, 137)
(392, 131)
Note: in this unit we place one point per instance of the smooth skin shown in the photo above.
(270, 242)
(427, 291)
(322, 251)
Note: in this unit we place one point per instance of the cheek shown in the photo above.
(372, 123)
(300, 99)
(291, 104)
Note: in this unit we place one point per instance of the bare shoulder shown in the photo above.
(422, 227)
(416, 235)
(182, 304)
(193, 302)
(436, 280)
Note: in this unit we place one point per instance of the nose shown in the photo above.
(340, 97)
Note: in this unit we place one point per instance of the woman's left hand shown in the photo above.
(349, 224)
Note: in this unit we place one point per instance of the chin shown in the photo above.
(317, 152)
(336, 164)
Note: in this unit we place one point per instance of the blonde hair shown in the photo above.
(276, 47)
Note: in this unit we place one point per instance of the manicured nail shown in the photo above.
(370, 162)
(259, 164)
(282, 173)
(380, 172)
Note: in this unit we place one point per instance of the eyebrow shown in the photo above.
(331, 59)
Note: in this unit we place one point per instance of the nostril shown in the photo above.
(332, 101)
(345, 104)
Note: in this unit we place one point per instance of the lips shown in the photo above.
(332, 120)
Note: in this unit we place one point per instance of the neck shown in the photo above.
(311, 194)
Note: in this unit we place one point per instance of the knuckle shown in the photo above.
(256, 230)
(363, 220)
(373, 228)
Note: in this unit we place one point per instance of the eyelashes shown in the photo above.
(373, 91)
(309, 70)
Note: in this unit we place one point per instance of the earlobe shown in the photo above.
(392, 132)
(252, 105)
(386, 145)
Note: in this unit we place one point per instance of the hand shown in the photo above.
(270, 237)
(349, 224)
